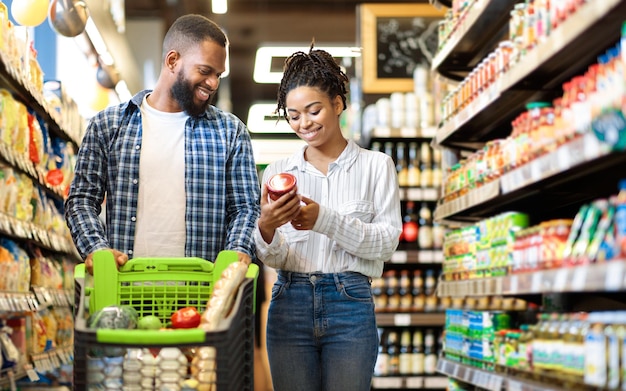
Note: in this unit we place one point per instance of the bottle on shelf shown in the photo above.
(377, 146)
(404, 289)
(417, 357)
(382, 359)
(426, 177)
(393, 353)
(430, 292)
(413, 177)
(393, 294)
(402, 166)
(430, 353)
(379, 293)
(405, 353)
(418, 292)
(425, 232)
(410, 225)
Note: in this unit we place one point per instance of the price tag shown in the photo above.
(512, 284)
(514, 385)
(579, 278)
(402, 320)
(414, 382)
(535, 285)
(614, 275)
(426, 256)
(560, 280)
(399, 257)
(408, 132)
(382, 131)
(414, 194)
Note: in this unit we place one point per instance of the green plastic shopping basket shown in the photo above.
(159, 287)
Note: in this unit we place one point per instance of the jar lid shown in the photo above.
(281, 182)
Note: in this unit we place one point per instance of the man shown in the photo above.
(178, 174)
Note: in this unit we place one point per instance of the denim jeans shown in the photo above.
(321, 332)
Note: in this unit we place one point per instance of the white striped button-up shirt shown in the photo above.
(359, 221)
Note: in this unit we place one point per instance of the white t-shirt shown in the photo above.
(160, 228)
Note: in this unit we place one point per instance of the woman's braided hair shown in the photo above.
(314, 69)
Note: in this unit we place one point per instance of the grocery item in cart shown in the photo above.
(168, 358)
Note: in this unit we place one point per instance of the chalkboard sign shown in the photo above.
(395, 38)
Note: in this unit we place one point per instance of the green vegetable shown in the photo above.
(149, 322)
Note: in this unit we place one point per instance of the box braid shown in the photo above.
(314, 69)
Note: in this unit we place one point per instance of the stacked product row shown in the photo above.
(575, 349)
(407, 351)
(589, 102)
(506, 244)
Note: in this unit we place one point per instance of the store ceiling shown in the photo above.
(252, 23)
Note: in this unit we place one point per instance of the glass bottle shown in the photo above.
(393, 295)
(382, 359)
(430, 353)
(425, 233)
(404, 289)
(410, 225)
(413, 176)
(426, 177)
(417, 359)
(418, 291)
(405, 353)
(393, 353)
(430, 285)
(401, 165)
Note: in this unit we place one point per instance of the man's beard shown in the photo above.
(183, 93)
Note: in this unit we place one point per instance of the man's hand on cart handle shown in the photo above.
(120, 259)
(243, 257)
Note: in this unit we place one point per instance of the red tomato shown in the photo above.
(186, 318)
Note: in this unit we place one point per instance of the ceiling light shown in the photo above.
(263, 72)
(219, 6)
(98, 42)
(262, 118)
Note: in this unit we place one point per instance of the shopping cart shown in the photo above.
(123, 359)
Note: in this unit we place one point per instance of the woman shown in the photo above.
(327, 239)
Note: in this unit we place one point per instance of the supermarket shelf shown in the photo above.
(41, 237)
(465, 46)
(11, 79)
(489, 380)
(410, 319)
(409, 382)
(538, 75)
(607, 277)
(545, 184)
(474, 198)
(417, 256)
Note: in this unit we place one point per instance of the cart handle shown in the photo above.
(151, 337)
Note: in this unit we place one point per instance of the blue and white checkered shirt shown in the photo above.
(221, 184)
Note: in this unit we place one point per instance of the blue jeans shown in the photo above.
(321, 332)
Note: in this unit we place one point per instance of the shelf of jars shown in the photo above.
(462, 43)
(607, 276)
(409, 382)
(536, 75)
(488, 379)
(39, 363)
(556, 172)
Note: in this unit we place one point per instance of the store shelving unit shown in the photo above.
(490, 380)
(539, 74)
(14, 304)
(554, 185)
